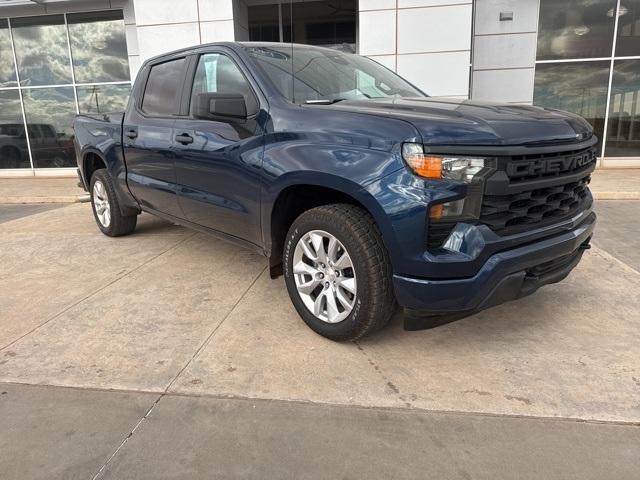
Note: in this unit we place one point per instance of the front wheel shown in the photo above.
(106, 209)
(338, 272)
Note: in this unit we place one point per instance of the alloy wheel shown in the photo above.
(324, 276)
(101, 204)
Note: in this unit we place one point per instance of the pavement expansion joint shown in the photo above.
(127, 437)
(403, 398)
(213, 332)
(396, 409)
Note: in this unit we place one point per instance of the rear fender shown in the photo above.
(112, 159)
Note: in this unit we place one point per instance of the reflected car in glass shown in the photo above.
(55, 149)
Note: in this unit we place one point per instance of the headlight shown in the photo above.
(464, 169)
(469, 170)
(426, 165)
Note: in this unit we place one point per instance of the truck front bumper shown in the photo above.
(506, 275)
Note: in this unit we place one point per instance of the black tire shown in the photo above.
(356, 230)
(119, 224)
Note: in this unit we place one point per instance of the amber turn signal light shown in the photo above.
(426, 166)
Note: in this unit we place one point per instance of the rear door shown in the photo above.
(148, 135)
(218, 159)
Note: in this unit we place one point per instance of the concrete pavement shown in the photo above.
(19, 190)
(51, 432)
(55, 433)
(197, 326)
(618, 230)
(15, 211)
(616, 184)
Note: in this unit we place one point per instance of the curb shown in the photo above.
(16, 200)
(616, 195)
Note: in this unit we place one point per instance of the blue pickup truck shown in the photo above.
(363, 191)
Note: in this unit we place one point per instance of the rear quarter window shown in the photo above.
(164, 86)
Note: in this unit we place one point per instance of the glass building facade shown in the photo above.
(588, 62)
(53, 67)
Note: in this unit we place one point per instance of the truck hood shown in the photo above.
(444, 121)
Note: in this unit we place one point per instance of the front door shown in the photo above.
(218, 158)
(148, 137)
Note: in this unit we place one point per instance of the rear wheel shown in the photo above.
(338, 272)
(106, 209)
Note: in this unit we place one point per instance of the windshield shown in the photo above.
(328, 75)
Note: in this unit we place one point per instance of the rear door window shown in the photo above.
(164, 87)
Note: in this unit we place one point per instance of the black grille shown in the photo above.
(524, 168)
(529, 191)
(509, 214)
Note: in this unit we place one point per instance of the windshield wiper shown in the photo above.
(326, 101)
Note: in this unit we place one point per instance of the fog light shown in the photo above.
(449, 209)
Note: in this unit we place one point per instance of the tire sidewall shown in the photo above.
(357, 317)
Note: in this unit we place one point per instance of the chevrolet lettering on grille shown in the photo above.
(544, 166)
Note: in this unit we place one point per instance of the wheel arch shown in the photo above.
(303, 193)
(91, 161)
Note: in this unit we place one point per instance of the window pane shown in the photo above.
(98, 46)
(219, 74)
(103, 98)
(50, 113)
(162, 95)
(326, 75)
(575, 29)
(7, 67)
(42, 50)
(623, 137)
(579, 87)
(13, 142)
(628, 42)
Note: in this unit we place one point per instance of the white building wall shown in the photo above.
(161, 27)
(504, 52)
(426, 41)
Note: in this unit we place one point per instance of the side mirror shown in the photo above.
(216, 105)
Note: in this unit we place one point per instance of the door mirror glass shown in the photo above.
(211, 105)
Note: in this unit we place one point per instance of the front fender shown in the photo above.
(404, 200)
(330, 181)
(312, 159)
